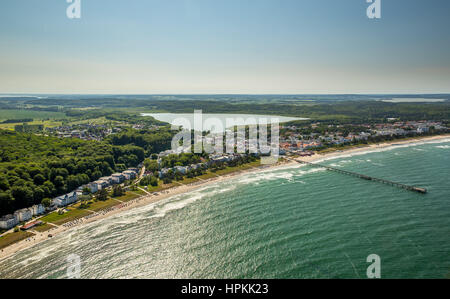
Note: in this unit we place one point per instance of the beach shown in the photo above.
(149, 199)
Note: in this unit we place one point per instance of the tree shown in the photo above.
(23, 196)
(86, 190)
(151, 165)
(153, 181)
(118, 191)
(102, 195)
(58, 181)
(39, 179)
(46, 202)
(4, 184)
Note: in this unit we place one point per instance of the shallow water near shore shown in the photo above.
(292, 222)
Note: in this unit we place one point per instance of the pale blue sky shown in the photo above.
(224, 46)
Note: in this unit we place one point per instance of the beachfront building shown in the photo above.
(163, 172)
(37, 209)
(180, 169)
(129, 174)
(8, 221)
(93, 187)
(118, 178)
(101, 184)
(64, 200)
(108, 179)
(23, 214)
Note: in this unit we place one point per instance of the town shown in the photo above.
(169, 165)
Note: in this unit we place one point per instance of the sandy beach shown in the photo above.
(148, 199)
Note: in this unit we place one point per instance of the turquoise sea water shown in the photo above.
(295, 222)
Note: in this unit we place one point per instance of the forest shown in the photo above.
(337, 109)
(34, 167)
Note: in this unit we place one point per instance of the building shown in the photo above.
(8, 221)
(163, 172)
(37, 209)
(31, 225)
(129, 174)
(107, 179)
(118, 178)
(180, 169)
(65, 200)
(93, 187)
(23, 215)
(101, 184)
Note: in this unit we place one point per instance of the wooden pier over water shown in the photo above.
(364, 177)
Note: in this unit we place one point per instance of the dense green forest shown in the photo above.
(149, 140)
(35, 167)
(342, 109)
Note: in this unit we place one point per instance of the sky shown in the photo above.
(224, 47)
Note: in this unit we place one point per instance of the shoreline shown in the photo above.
(150, 199)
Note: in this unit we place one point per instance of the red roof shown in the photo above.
(31, 224)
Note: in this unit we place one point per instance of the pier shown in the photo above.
(365, 177)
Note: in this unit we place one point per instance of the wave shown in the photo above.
(385, 149)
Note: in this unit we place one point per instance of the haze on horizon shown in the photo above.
(224, 46)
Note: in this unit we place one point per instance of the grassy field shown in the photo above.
(161, 186)
(57, 219)
(46, 118)
(129, 196)
(12, 238)
(36, 115)
(207, 175)
(43, 228)
(100, 205)
(138, 191)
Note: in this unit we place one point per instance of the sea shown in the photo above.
(290, 222)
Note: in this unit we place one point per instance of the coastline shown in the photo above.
(149, 199)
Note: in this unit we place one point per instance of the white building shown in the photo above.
(101, 184)
(8, 221)
(64, 200)
(130, 173)
(118, 178)
(163, 172)
(181, 169)
(23, 215)
(93, 187)
(37, 209)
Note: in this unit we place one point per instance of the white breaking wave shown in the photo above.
(385, 149)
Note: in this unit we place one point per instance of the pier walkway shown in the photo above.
(364, 177)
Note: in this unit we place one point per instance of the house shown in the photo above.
(8, 221)
(23, 215)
